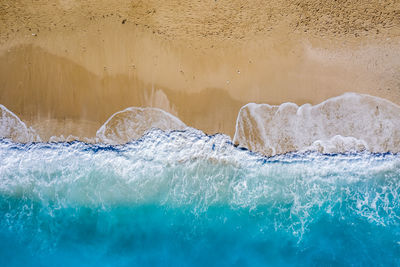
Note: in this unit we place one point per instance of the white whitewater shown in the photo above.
(132, 123)
(11, 127)
(351, 122)
(348, 123)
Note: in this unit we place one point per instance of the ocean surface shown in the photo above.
(183, 198)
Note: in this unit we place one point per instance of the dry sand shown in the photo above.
(66, 66)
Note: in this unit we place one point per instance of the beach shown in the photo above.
(199, 133)
(67, 66)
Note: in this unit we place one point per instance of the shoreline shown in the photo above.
(350, 123)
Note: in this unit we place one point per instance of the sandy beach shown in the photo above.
(67, 66)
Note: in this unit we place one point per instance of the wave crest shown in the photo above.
(133, 122)
(11, 127)
(370, 122)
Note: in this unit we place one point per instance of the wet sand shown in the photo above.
(67, 66)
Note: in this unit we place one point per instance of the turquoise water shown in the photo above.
(188, 199)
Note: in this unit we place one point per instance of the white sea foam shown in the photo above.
(133, 122)
(338, 144)
(351, 122)
(11, 127)
(191, 169)
(71, 138)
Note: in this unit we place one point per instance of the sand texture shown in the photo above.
(67, 66)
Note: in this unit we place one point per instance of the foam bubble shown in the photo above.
(72, 138)
(340, 124)
(11, 127)
(338, 144)
(133, 122)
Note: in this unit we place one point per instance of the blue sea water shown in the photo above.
(187, 199)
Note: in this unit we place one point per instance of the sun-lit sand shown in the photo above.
(67, 66)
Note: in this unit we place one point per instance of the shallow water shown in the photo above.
(185, 198)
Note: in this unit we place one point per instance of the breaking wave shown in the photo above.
(13, 128)
(348, 123)
(186, 198)
(351, 122)
(131, 123)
